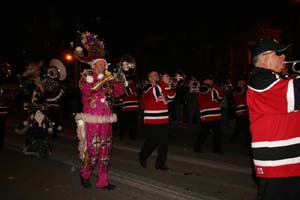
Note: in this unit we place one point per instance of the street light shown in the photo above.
(69, 57)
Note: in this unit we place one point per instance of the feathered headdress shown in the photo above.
(94, 47)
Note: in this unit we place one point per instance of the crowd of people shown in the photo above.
(266, 113)
(114, 99)
(264, 104)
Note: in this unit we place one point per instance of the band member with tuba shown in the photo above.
(43, 108)
(94, 125)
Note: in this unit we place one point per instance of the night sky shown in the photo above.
(139, 29)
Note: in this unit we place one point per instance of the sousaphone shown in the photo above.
(57, 70)
(52, 82)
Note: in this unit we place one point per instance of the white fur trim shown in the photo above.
(81, 119)
(82, 139)
(96, 118)
(59, 128)
(79, 49)
(50, 131)
(100, 76)
(89, 79)
(96, 60)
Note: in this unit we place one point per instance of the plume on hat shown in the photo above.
(94, 47)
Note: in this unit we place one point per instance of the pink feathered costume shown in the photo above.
(94, 129)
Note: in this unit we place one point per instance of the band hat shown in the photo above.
(265, 45)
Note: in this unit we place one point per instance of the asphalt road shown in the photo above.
(204, 176)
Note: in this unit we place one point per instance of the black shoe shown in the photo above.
(143, 162)
(109, 187)
(163, 168)
(85, 183)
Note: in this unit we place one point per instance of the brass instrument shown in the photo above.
(293, 65)
(177, 80)
(107, 77)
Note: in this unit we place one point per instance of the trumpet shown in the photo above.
(177, 80)
(107, 77)
(293, 65)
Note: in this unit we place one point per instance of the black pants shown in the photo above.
(280, 188)
(117, 125)
(206, 127)
(129, 124)
(2, 130)
(242, 127)
(156, 137)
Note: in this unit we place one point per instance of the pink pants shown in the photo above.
(99, 146)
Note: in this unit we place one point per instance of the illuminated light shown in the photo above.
(68, 57)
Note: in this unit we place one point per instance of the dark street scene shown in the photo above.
(151, 102)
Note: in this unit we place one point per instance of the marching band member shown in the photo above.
(94, 124)
(241, 111)
(273, 99)
(131, 101)
(209, 102)
(131, 108)
(156, 96)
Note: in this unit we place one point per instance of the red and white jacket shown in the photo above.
(155, 101)
(209, 101)
(240, 101)
(274, 103)
(131, 100)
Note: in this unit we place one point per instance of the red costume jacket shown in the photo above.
(274, 104)
(209, 102)
(155, 101)
(240, 101)
(131, 101)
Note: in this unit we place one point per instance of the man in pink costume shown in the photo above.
(94, 125)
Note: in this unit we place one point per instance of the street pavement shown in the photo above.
(192, 175)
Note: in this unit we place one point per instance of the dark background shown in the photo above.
(159, 34)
